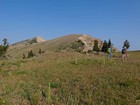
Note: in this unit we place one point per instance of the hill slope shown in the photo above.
(55, 78)
(69, 43)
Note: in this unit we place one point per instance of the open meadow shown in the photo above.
(70, 78)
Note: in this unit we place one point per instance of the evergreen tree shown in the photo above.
(95, 47)
(126, 44)
(109, 43)
(105, 46)
(3, 47)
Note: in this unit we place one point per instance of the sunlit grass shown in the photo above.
(70, 79)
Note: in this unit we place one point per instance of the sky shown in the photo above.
(118, 20)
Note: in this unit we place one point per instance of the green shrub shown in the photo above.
(77, 46)
(30, 54)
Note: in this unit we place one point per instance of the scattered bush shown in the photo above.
(40, 51)
(89, 51)
(30, 54)
(24, 56)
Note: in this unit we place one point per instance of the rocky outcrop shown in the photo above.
(27, 42)
(39, 39)
(89, 42)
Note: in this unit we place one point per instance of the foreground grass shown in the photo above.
(70, 79)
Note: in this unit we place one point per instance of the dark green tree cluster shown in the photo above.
(106, 45)
(104, 48)
(3, 47)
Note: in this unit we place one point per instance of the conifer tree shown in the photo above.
(95, 47)
(3, 47)
(109, 43)
(105, 47)
(126, 44)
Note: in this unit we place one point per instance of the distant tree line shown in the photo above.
(104, 48)
(107, 45)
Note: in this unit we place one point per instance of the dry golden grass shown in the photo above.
(51, 45)
(69, 78)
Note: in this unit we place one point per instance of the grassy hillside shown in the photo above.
(51, 45)
(64, 78)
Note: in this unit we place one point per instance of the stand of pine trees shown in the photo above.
(106, 45)
(104, 48)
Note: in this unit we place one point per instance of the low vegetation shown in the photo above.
(3, 48)
(69, 78)
(77, 46)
